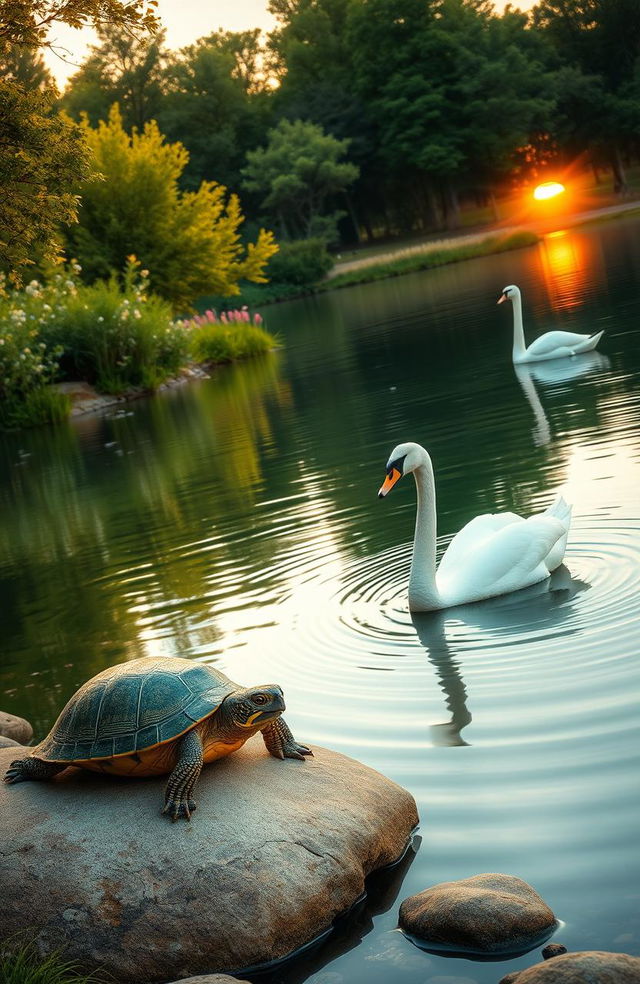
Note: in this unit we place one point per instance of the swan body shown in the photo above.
(551, 345)
(492, 555)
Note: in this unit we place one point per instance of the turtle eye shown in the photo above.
(260, 699)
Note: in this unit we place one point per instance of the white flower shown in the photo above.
(100, 318)
(136, 313)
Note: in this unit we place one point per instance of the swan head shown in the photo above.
(509, 293)
(403, 459)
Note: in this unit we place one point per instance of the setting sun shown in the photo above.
(548, 190)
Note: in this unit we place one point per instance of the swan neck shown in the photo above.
(423, 593)
(519, 347)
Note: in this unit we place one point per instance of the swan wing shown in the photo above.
(471, 535)
(510, 559)
(559, 340)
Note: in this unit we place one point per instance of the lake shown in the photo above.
(236, 521)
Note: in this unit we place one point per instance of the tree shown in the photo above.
(123, 68)
(41, 155)
(214, 105)
(189, 241)
(599, 42)
(296, 173)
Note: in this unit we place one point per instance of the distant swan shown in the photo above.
(551, 345)
(492, 555)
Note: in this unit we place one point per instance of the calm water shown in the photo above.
(236, 521)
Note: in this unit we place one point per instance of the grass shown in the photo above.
(219, 343)
(429, 257)
(22, 964)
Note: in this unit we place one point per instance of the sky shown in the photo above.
(185, 21)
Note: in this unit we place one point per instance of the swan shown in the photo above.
(492, 555)
(551, 345)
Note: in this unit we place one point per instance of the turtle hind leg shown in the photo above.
(178, 796)
(23, 770)
(281, 743)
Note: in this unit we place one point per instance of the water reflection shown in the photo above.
(519, 614)
(570, 268)
(554, 372)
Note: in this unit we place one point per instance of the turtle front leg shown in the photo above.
(281, 743)
(178, 796)
(22, 770)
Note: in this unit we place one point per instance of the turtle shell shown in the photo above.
(134, 706)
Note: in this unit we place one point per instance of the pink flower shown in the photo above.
(257, 318)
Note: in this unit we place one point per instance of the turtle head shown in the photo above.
(255, 706)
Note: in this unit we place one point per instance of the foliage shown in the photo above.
(110, 334)
(302, 262)
(20, 963)
(189, 241)
(296, 173)
(228, 336)
(27, 363)
(208, 109)
(123, 68)
(28, 21)
(41, 157)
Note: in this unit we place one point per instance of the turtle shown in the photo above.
(157, 715)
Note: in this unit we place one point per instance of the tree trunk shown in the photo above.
(620, 186)
(353, 216)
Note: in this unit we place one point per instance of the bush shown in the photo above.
(232, 335)
(114, 336)
(303, 263)
(27, 363)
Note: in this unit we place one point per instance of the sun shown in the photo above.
(549, 189)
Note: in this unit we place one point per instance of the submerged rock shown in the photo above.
(275, 851)
(15, 728)
(589, 967)
(9, 743)
(488, 913)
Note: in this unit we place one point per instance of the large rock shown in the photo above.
(590, 967)
(275, 851)
(15, 728)
(488, 913)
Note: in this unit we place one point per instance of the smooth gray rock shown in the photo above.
(16, 728)
(488, 913)
(275, 851)
(9, 743)
(589, 967)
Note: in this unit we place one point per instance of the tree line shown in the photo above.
(353, 118)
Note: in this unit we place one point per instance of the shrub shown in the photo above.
(231, 335)
(303, 263)
(114, 336)
(27, 364)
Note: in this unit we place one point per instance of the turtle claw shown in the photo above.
(177, 808)
(294, 750)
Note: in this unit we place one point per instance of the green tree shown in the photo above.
(297, 173)
(123, 68)
(215, 106)
(598, 41)
(189, 241)
(42, 155)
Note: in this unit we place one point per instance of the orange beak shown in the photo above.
(502, 298)
(391, 479)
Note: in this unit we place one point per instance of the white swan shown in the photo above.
(492, 555)
(551, 345)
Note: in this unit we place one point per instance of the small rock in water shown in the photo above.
(553, 950)
(488, 913)
(16, 728)
(9, 742)
(594, 966)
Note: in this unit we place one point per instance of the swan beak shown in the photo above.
(502, 298)
(391, 479)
